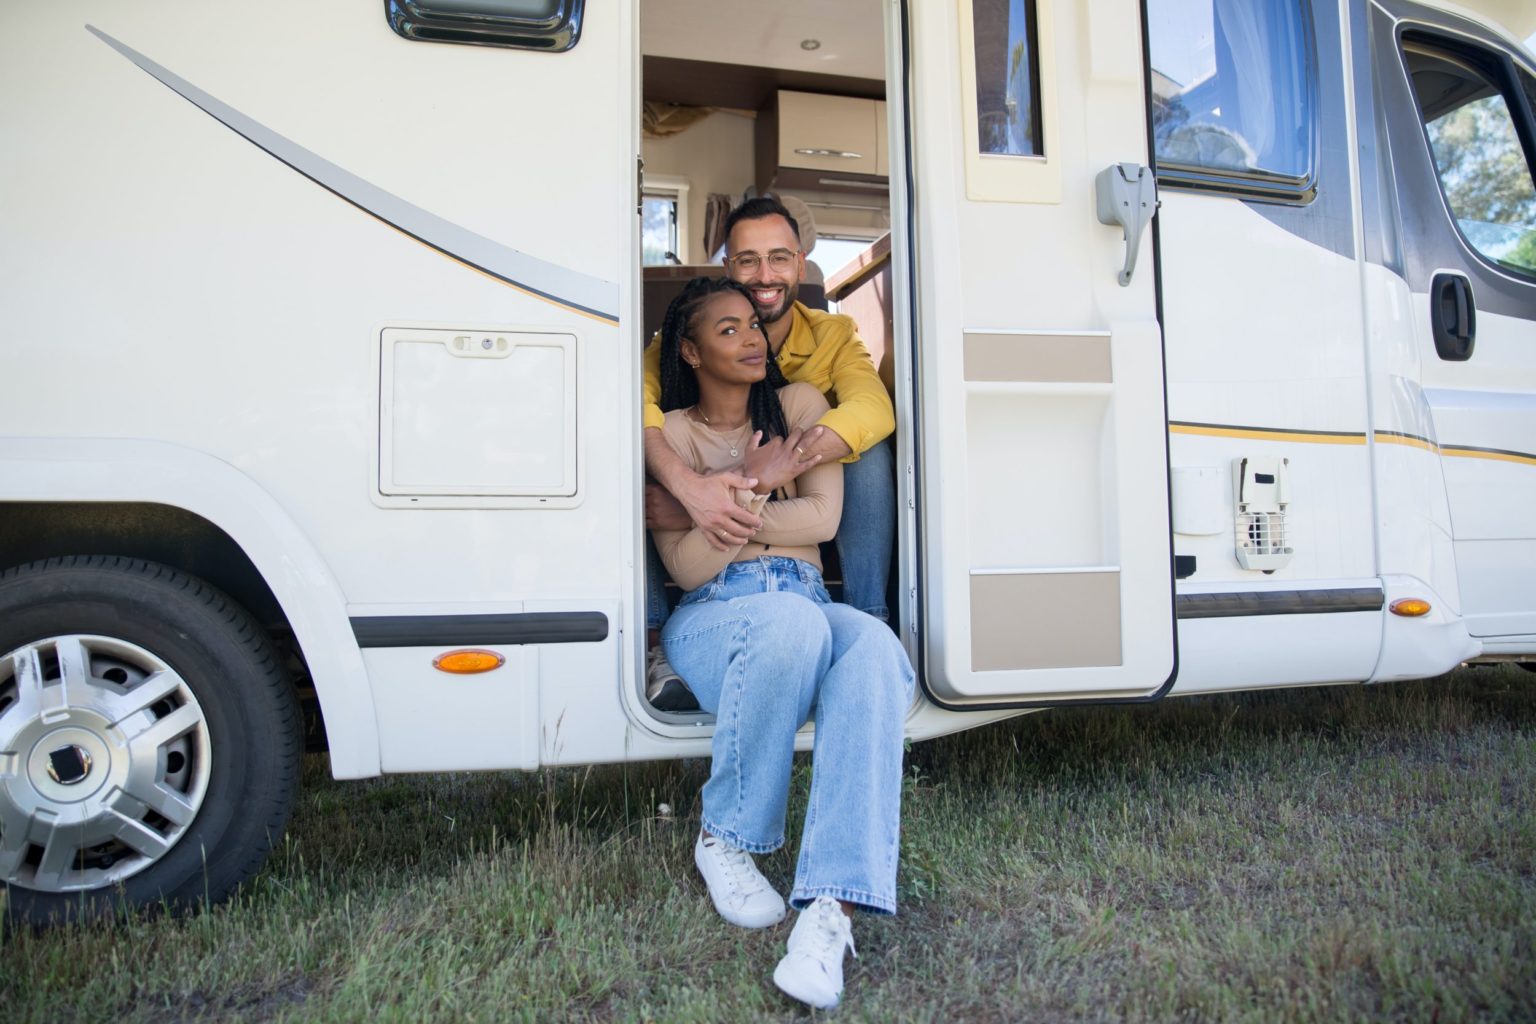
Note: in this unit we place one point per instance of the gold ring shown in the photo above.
(799, 449)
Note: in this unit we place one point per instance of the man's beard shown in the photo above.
(786, 303)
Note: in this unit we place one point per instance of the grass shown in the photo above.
(1328, 854)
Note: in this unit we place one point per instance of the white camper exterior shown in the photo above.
(322, 352)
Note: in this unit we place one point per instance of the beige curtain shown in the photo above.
(661, 120)
(716, 208)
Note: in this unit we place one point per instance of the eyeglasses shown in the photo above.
(778, 259)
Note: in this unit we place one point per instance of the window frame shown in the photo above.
(667, 186)
(1264, 186)
(1499, 66)
(1008, 178)
(426, 21)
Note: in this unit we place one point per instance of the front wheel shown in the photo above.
(149, 740)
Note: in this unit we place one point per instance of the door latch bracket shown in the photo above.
(1127, 196)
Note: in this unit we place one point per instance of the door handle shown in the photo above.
(1126, 194)
(1452, 317)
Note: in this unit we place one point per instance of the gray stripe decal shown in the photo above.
(1279, 602)
(558, 284)
(483, 630)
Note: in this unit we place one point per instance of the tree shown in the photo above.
(1482, 165)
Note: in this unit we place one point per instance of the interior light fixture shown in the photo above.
(810, 44)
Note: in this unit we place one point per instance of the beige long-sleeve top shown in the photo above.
(792, 526)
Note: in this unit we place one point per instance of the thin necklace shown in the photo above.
(735, 443)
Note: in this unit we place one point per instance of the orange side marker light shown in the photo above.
(1409, 607)
(468, 662)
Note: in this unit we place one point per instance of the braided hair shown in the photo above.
(679, 382)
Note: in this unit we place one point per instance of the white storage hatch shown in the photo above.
(477, 414)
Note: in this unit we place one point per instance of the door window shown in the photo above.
(1007, 79)
(1484, 170)
(1008, 100)
(1232, 94)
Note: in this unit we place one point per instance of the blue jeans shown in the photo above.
(864, 539)
(868, 530)
(655, 585)
(765, 649)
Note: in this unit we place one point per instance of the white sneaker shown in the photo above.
(739, 891)
(812, 969)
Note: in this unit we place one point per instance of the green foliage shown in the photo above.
(1523, 255)
(1482, 165)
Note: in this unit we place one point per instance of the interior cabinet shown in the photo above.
(812, 141)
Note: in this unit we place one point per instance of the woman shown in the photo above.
(765, 649)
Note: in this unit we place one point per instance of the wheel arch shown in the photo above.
(197, 513)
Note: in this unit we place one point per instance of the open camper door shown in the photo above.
(1046, 554)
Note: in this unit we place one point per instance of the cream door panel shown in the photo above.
(1040, 377)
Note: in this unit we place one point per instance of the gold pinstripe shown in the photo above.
(1380, 436)
(1467, 453)
(1254, 434)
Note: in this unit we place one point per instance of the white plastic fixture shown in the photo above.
(1199, 509)
(1262, 496)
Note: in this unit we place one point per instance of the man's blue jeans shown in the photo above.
(765, 649)
(865, 537)
(868, 529)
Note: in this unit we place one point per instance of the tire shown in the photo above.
(155, 740)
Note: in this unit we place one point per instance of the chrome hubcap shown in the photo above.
(69, 765)
(104, 762)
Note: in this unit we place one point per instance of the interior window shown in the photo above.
(1007, 78)
(658, 230)
(833, 252)
(1483, 169)
(1232, 93)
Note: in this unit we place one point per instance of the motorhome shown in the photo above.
(1210, 327)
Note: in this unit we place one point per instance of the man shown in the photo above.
(762, 252)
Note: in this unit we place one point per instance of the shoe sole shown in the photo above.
(738, 921)
(674, 696)
(789, 989)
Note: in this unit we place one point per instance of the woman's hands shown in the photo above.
(686, 499)
(781, 460)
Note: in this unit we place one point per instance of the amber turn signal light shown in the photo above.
(468, 662)
(1409, 607)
